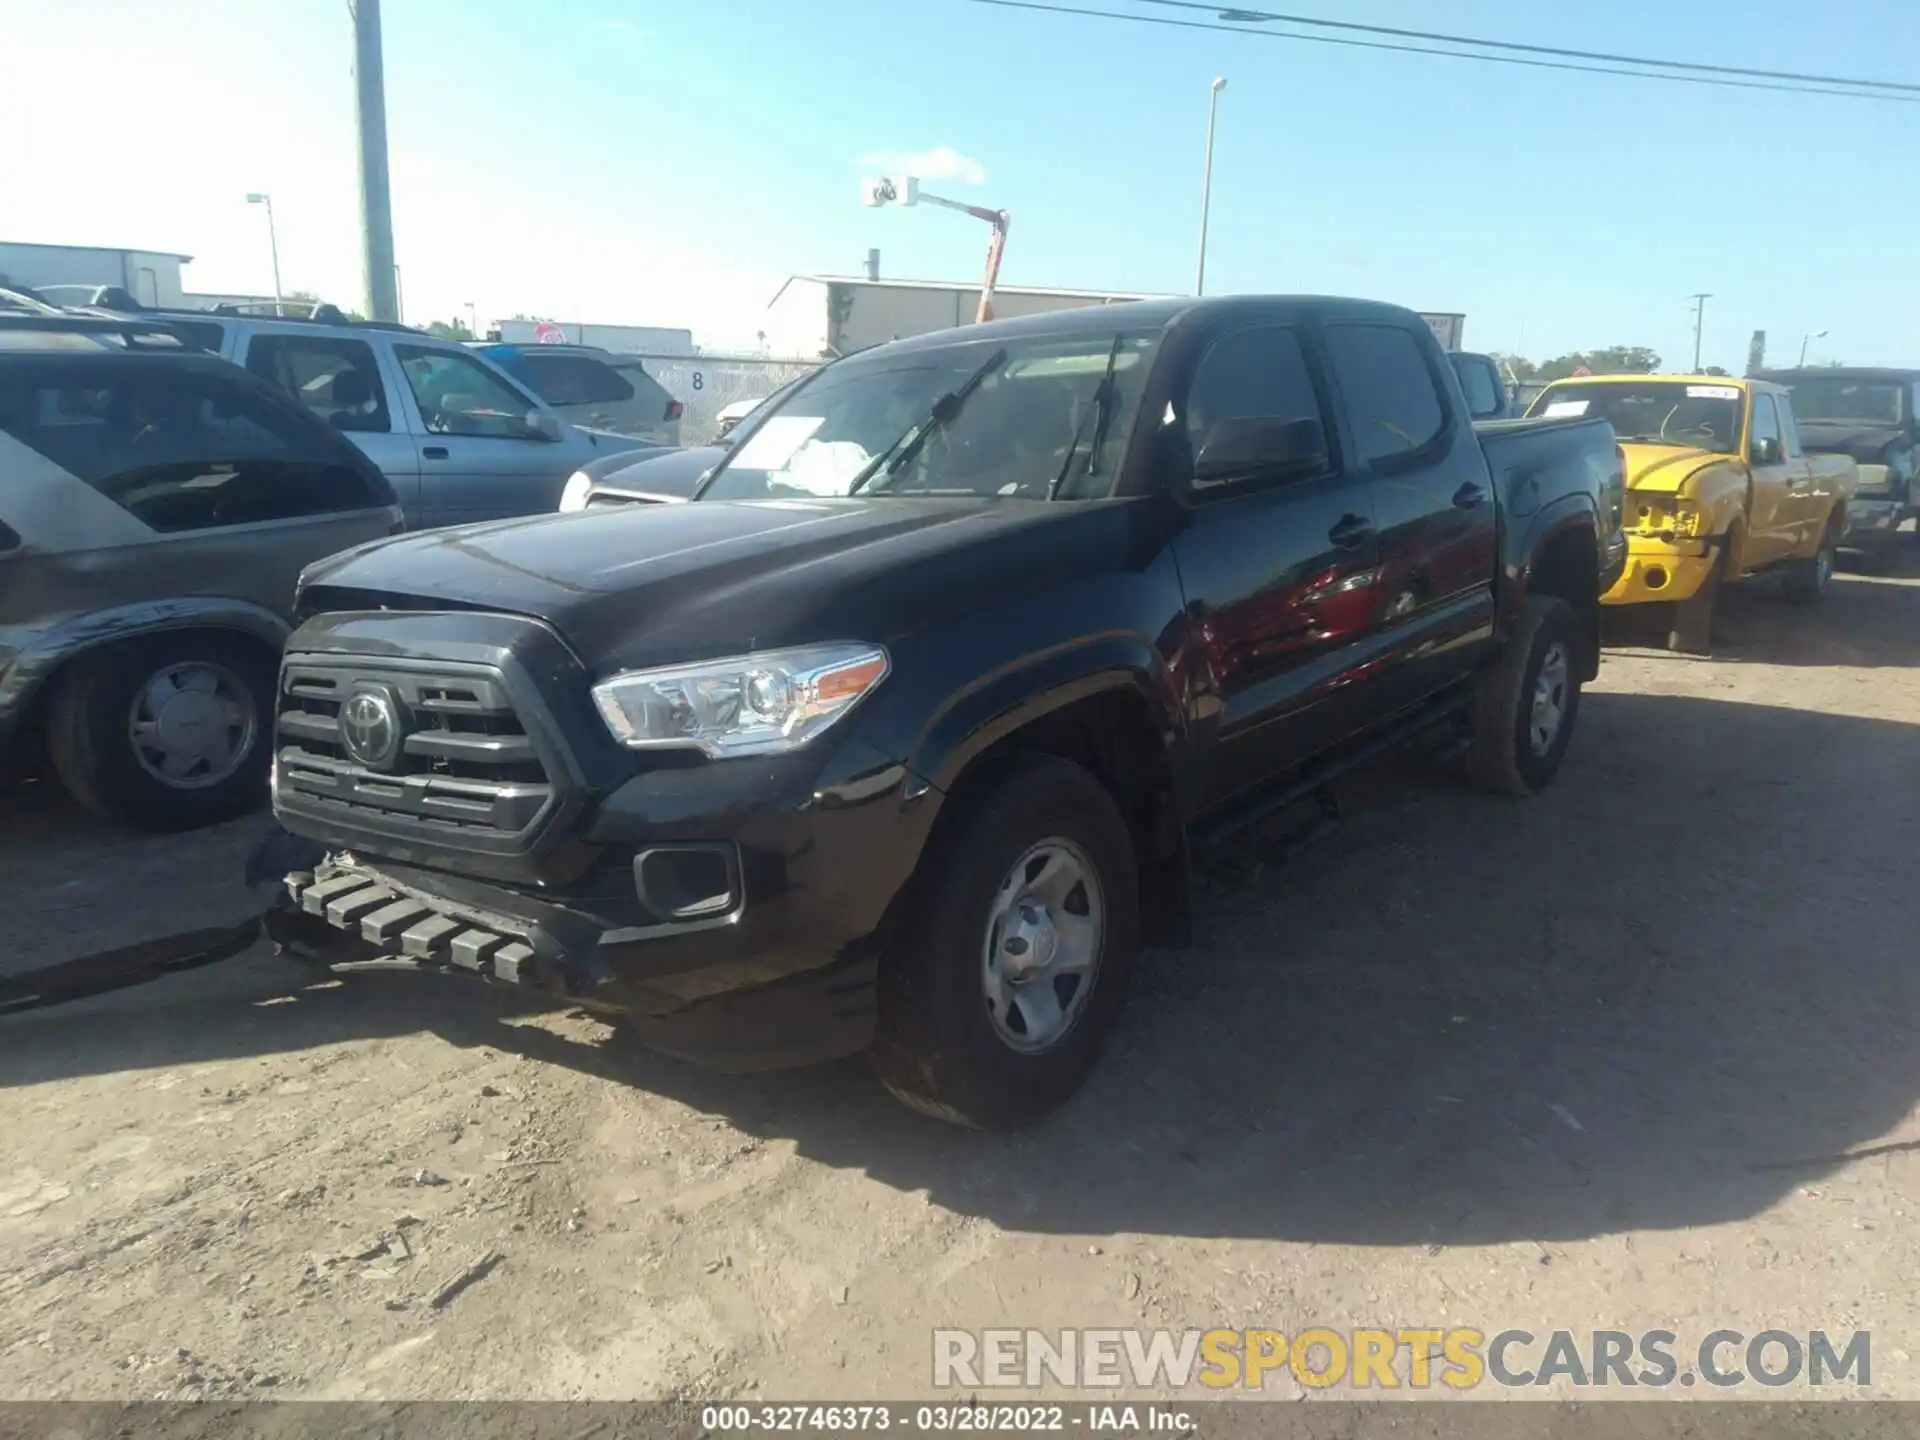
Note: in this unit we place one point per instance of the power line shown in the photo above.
(1517, 60)
(1265, 16)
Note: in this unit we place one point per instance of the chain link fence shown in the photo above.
(707, 384)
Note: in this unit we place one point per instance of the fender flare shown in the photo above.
(1568, 513)
(48, 650)
(1013, 696)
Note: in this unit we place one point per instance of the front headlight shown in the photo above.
(767, 703)
(574, 497)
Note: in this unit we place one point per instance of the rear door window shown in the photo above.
(574, 379)
(184, 450)
(1389, 392)
(1480, 384)
(337, 380)
(646, 388)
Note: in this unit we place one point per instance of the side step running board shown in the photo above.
(1430, 722)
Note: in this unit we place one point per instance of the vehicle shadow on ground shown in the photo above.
(1864, 622)
(1662, 994)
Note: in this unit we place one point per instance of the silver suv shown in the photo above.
(457, 437)
(157, 506)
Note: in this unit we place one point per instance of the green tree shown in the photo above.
(1608, 360)
(448, 330)
(1518, 366)
(1716, 370)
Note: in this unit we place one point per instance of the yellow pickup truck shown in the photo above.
(1718, 488)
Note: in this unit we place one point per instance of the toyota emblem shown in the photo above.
(370, 729)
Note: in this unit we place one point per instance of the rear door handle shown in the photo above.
(1468, 496)
(1350, 531)
(433, 452)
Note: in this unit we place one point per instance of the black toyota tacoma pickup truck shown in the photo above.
(902, 736)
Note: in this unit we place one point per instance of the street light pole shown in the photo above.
(1811, 335)
(1206, 184)
(273, 244)
(399, 296)
(1699, 317)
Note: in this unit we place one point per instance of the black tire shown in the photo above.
(1692, 630)
(1805, 582)
(90, 740)
(937, 1046)
(1503, 757)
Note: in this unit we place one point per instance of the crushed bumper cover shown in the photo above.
(342, 912)
(1661, 571)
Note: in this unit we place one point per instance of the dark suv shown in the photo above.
(157, 506)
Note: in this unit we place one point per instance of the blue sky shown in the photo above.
(669, 161)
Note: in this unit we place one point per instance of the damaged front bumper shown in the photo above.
(1662, 570)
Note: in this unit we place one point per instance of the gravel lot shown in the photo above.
(1637, 1053)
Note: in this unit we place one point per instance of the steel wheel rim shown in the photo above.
(1045, 937)
(1548, 713)
(192, 725)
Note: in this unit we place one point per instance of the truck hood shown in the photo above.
(1865, 443)
(1663, 469)
(658, 584)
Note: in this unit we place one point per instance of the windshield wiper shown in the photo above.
(1103, 403)
(900, 454)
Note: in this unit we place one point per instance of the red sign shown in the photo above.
(548, 333)
(1580, 370)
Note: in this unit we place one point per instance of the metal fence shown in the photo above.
(707, 384)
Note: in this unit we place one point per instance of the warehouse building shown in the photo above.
(150, 276)
(76, 274)
(821, 316)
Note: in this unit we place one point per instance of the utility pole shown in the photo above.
(376, 210)
(273, 245)
(1206, 185)
(1699, 317)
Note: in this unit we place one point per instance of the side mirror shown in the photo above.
(1767, 451)
(543, 426)
(1259, 447)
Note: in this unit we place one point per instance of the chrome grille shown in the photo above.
(465, 761)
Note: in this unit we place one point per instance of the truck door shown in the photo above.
(1278, 573)
(1432, 499)
(1779, 486)
(481, 456)
(1810, 491)
(340, 381)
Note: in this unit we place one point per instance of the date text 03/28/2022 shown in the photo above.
(947, 1418)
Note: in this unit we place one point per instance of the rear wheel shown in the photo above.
(1015, 960)
(1806, 581)
(167, 733)
(1525, 708)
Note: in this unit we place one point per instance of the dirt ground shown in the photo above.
(1636, 1053)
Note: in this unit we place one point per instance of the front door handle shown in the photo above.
(1350, 531)
(433, 452)
(1468, 496)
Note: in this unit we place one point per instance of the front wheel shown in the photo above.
(1015, 959)
(1526, 705)
(1807, 581)
(166, 733)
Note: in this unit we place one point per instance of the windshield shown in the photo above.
(1032, 411)
(1652, 412)
(1870, 402)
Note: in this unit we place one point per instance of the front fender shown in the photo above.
(996, 704)
(38, 651)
